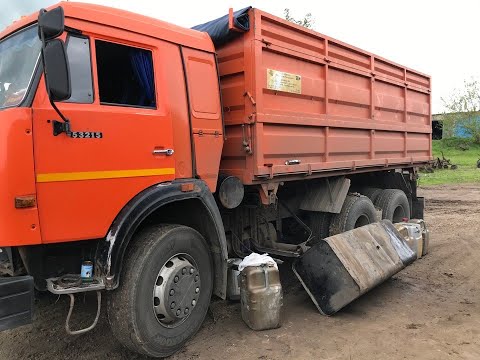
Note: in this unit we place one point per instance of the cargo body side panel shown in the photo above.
(294, 94)
(17, 179)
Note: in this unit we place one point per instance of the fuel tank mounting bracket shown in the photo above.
(268, 193)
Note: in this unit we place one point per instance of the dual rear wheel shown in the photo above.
(394, 204)
(361, 209)
(357, 211)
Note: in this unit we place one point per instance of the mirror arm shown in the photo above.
(58, 128)
(65, 120)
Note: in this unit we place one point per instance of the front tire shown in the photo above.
(165, 290)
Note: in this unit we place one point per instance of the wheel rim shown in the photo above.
(398, 214)
(176, 290)
(362, 221)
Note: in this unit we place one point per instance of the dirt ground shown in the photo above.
(428, 311)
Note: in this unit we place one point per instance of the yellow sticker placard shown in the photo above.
(283, 81)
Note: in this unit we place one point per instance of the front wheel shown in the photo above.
(165, 290)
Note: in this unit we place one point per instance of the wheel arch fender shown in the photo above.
(148, 206)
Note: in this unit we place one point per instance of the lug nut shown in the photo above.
(178, 312)
(194, 302)
(196, 278)
(172, 305)
(191, 270)
(184, 271)
(197, 290)
(176, 279)
(172, 292)
(186, 311)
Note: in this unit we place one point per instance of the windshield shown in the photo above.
(19, 54)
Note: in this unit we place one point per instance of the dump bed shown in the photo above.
(300, 104)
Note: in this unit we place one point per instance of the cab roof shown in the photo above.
(125, 20)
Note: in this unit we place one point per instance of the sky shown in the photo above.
(438, 38)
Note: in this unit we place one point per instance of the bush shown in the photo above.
(457, 143)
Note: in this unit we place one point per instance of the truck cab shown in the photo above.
(129, 113)
(144, 104)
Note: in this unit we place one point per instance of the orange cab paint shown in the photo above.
(74, 177)
(17, 178)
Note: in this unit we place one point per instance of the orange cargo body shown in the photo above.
(299, 103)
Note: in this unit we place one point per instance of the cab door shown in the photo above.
(120, 143)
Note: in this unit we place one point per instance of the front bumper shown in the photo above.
(16, 301)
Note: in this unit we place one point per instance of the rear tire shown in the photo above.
(319, 223)
(394, 204)
(357, 210)
(165, 263)
(371, 193)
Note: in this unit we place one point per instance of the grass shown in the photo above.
(466, 160)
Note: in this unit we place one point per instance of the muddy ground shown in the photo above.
(428, 311)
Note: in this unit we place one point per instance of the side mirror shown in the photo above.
(51, 23)
(57, 73)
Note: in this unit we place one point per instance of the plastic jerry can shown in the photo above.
(412, 234)
(233, 285)
(416, 235)
(261, 297)
(425, 235)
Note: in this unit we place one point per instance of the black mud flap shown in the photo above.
(342, 267)
(418, 208)
(16, 301)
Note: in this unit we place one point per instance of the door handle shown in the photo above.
(168, 152)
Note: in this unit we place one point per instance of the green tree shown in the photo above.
(307, 20)
(463, 110)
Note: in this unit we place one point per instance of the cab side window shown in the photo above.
(125, 75)
(79, 61)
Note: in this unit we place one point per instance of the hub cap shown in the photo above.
(176, 290)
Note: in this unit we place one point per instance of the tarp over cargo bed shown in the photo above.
(218, 28)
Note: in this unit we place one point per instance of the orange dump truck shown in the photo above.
(144, 155)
